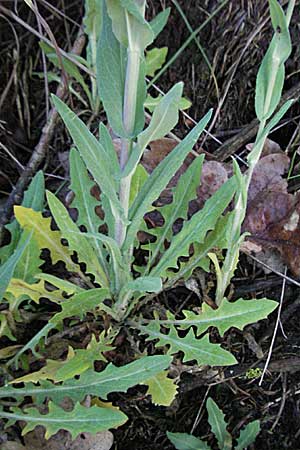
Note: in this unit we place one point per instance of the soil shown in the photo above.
(235, 55)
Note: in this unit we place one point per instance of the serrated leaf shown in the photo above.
(93, 154)
(196, 229)
(100, 384)
(77, 362)
(162, 389)
(59, 283)
(77, 240)
(236, 314)
(34, 291)
(47, 372)
(45, 237)
(248, 435)
(216, 419)
(79, 420)
(159, 179)
(155, 58)
(215, 238)
(183, 193)
(84, 202)
(78, 305)
(84, 359)
(162, 122)
(184, 441)
(118, 270)
(81, 303)
(200, 350)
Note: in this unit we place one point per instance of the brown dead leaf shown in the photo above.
(35, 440)
(214, 174)
(12, 445)
(273, 214)
(98, 441)
(267, 175)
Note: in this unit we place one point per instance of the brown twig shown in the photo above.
(40, 149)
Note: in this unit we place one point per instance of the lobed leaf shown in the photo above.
(155, 58)
(215, 238)
(78, 305)
(164, 118)
(200, 350)
(162, 389)
(183, 193)
(85, 203)
(159, 179)
(34, 291)
(40, 228)
(33, 198)
(77, 240)
(92, 153)
(196, 229)
(79, 420)
(100, 384)
(236, 314)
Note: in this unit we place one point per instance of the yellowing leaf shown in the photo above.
(45, 373)
(46, 238)
(35, 291)
(162, 389)
(155, 58)
(8, 352)
(97, 402)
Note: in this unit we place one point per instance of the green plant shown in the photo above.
(105, 275)
(216, 420)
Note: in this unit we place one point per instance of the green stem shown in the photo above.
(240, 208)
(129, 113)
(289, 11)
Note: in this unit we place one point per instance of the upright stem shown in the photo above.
(129, 113)
(240, 207)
